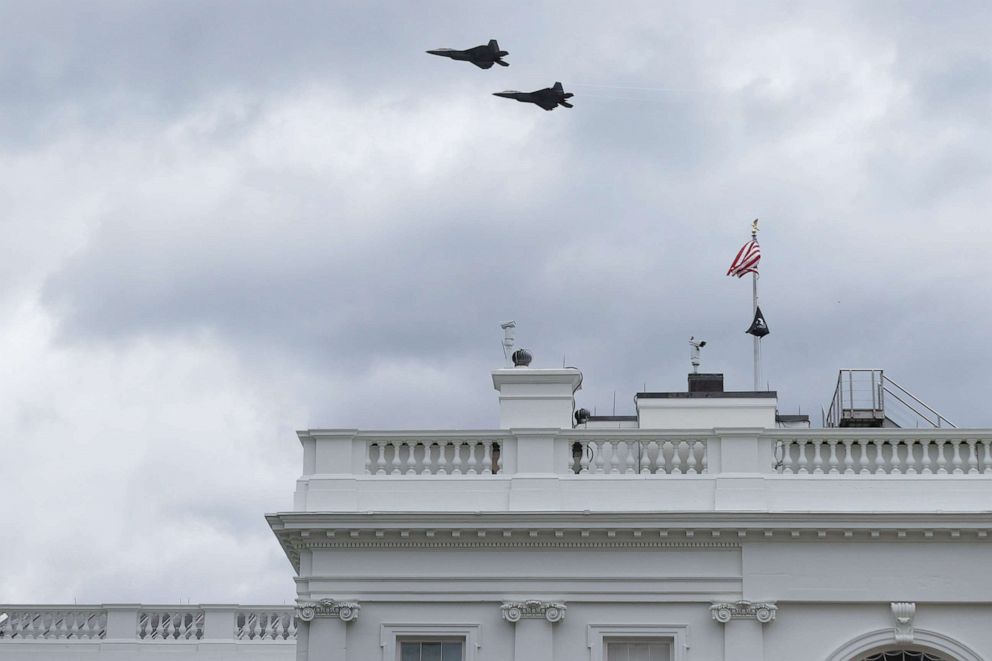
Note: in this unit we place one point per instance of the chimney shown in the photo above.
(705, 383)
(536, 398)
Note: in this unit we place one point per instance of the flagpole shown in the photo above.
(754, 311)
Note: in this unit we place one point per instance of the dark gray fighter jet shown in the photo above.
(549, 98)
(481, 56)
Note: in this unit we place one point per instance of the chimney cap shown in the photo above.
(521, 358)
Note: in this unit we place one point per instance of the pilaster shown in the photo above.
(322, 629)
(533, 638)
(743, 633)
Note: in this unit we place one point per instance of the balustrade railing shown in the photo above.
(147, 624)
(433, 457)
(877, 454)
(170, 625)
(624, 452)
(265, 625)
(53, 624)
(639, 457)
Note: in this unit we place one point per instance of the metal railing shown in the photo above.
(860, 399)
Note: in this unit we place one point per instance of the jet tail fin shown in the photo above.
(566, 104)
(493, 46)
(558, 87)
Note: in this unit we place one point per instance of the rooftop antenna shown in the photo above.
(694, 347)
(508, 341)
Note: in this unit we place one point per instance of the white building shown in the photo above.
(705, 528)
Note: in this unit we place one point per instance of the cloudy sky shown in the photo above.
(222, 222)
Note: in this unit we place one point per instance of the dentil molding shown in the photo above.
(346, 611)
(533, 609)
(762, 611)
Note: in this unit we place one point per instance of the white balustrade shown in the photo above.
(156, 625)
(639, 456)
(433, 457)
(265, 625)
(864, 453)
(53, 624)
(173, 624)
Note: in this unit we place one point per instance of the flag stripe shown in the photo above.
(746, 260)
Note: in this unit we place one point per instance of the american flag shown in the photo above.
(747, 260)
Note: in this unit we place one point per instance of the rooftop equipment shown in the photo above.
(868, 398)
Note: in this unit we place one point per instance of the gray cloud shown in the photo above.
(230, 223)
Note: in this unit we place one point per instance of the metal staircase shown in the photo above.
(868, 398)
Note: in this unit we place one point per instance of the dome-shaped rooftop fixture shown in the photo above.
(521, 358)
(582, 416)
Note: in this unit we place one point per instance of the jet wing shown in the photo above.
(545, 101)
(483, 64)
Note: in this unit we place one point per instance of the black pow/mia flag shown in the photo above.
(758, 327)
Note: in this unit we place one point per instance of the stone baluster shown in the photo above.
(704, 466)
(380, 461)
(863, 457)
(817, 457)
(499, 457)
(941, 456)
(972, 457)
(956, 460)
(614, 457)
(456, 460)
(677, 458)
(645, 457)
(910, 456)
(832, 460)
(395, 463)
(803, 462)
(848, 456)
(691, 460)
(472, 464)
(987, 457)
(630, 457)
(925, 457)
(487, 458)
(666, 451)
(442, 458)
(895, 463)
(879, 456)
(430, 465)
(411, 459)
(784, 459)
(584, 457)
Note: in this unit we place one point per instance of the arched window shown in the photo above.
(903, 655)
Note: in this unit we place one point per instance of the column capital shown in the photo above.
(762, 611)
(346, 611)
(533, 609)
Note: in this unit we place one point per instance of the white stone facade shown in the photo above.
(736, 541)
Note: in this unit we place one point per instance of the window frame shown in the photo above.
(598, 635)
(392, 634)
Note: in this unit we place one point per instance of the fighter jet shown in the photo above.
(481, 56)
(549, 98)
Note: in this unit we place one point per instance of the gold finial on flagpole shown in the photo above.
(754, 229)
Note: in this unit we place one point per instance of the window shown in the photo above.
(638, 650)
(637, 642)
(902, 656)
(424, 641)
(431, 650)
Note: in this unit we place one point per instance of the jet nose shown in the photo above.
(506, 95)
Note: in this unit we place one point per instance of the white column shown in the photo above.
(533, 638)
(321, 632)
(743, 634)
